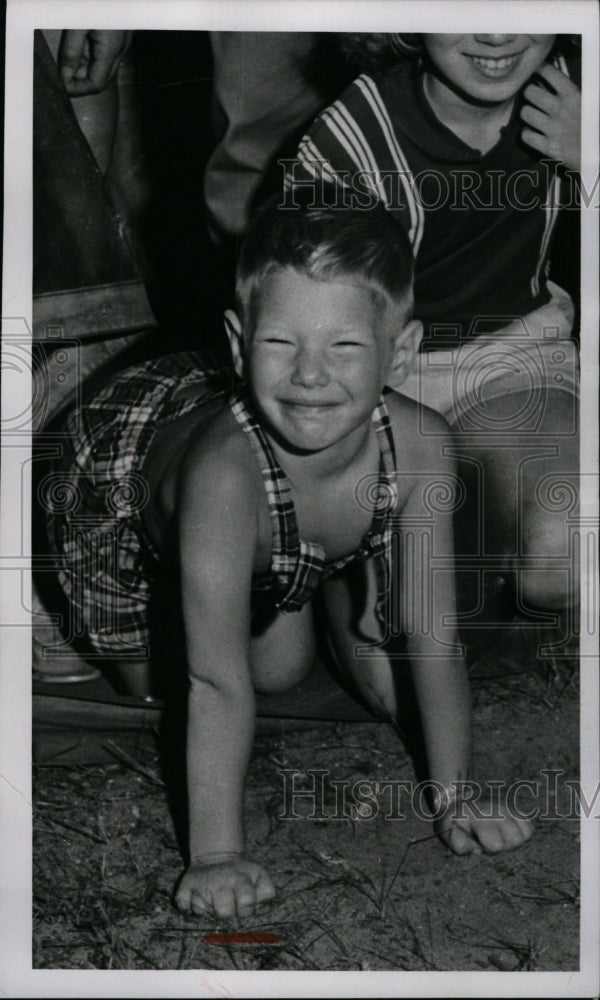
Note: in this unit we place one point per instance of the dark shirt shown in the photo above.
(480, 224)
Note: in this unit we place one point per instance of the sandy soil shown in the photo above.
(354, 891)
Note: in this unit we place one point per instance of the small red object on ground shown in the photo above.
(242, 937)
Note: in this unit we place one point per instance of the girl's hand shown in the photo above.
(554, 117)
(227, 889)
(465, 833)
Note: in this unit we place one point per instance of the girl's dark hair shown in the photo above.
(376, 53)
(327, 244)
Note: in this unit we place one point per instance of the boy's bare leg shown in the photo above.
(352, 626)
(280, 657)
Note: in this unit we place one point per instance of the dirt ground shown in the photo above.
(355, 892)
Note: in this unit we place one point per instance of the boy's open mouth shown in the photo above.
(495, 67)
(310, 403)
(309, 406)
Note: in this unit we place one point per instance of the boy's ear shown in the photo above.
(233, 329)
(405, 352)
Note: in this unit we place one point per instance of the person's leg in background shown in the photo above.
(218, 110)
(527, 496)
(267, 87)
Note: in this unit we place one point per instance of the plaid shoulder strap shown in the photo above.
(297, 567)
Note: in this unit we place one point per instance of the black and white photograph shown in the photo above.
(299, 513)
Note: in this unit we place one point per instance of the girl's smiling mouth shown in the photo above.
(495, 67)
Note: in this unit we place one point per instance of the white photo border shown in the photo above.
(16, 975)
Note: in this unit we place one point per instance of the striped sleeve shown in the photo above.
(352, 145)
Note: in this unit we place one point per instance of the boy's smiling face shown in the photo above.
(487, 68)
(318, 358)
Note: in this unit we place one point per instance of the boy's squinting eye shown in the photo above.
(348, 343)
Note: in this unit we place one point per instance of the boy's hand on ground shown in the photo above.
(554, 117)
(228, 889)
(472, 835)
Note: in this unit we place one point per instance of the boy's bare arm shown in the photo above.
(429, 610)
(438, 667)
(218, 540)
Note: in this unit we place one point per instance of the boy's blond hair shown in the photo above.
(327, 244)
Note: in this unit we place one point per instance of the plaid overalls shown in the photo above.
(95, 496)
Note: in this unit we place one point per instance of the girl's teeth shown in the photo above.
(494, 63)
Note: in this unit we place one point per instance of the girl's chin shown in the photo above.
(482, 88)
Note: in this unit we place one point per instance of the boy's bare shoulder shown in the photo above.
(420, 433)
(219, 459)
(223, 518)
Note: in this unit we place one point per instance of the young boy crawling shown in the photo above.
(299, 481)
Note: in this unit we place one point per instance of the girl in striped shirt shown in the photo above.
(472, 143)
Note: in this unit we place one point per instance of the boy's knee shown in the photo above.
(284, 674)
(283, 654)
(377, 687)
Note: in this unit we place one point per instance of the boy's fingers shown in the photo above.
(460, 842)
(245, 897)
(224, 903)
(505, 835)
(264, 888)
(526, 827)
(491, 839)
(183, 901)
(185, 895)
(199, 903)
(518, 832)
(246, 904)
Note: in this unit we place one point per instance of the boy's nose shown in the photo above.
(495, 40)
(309, 369)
